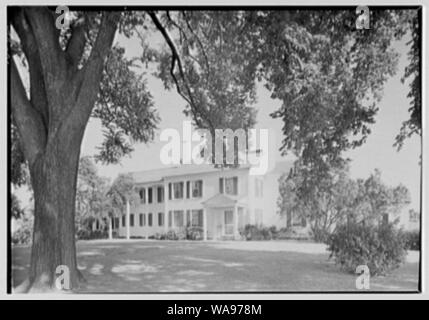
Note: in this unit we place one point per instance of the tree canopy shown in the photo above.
(339, 198)
(327, 75)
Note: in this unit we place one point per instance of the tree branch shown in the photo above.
(89, 76)
(28, 120)
(29, 47)
(76, 44)
(46, 36)
(175, 57)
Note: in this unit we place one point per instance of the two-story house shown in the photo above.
(220, 201)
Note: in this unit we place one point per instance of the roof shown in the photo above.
(219, 201)
(184, 169)
(157, 175)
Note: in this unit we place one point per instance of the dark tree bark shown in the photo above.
(51, 124)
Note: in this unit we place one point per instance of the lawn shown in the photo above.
(192, 266)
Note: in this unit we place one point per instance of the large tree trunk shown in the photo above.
(54, 177)
(51, 122)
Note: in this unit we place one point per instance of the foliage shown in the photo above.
(258, 232)
(412, 72)
(123, 100)
(381, 247)
(291, 234)
(121, 190)
(24, 232)
(194, 233)
(85, 234)
(172, 235)
(335, 198)
(91, 200)
(19, 171)
(16, 210)
(323, 204)
(412, 240)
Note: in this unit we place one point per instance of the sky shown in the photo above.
(378, 152)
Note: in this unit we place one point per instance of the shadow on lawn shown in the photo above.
(195, 267)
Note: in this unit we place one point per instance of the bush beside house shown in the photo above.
(412, 240)
(382, 247)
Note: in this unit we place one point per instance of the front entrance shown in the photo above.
(228, 223)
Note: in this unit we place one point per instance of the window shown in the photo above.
(178, 190)
(231, 186)
(160, 194)
(197, 189)
(197, 218)
(132, 219)
(220, 185)
(170, 218)
(142, 193)
(178, 218)
(142, 219)
(116, 223)
(123, 220)
(160, 219)
(149, 195)
(149, 220)
(169, 191)
(188, 187)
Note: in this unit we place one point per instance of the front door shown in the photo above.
(229, 222)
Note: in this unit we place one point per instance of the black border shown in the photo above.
(226, 8)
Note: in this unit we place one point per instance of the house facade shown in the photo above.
(217, 201)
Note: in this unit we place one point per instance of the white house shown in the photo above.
(219, 201)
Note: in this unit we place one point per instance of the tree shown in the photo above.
(324, 205)
(314, 61)
(332, 79)
(338, 199)
(51, 123)
(379, 200)
(91, 200)
(119, 196)
(413, 125)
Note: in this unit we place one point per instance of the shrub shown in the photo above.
(381, 248)
(254, 232)
(85, 234)
(319, 235)
(291, 234)
(171, 235)
(194, 233)
(412, 240)
(24, 233)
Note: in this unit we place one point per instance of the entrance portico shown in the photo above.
(223, 216)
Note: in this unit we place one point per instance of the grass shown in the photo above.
(120, 266)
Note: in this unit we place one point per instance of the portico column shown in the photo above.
(146, 194)
(204, 224)
(166, 208)
(236, 234)
(127, 220)
(110, 228)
